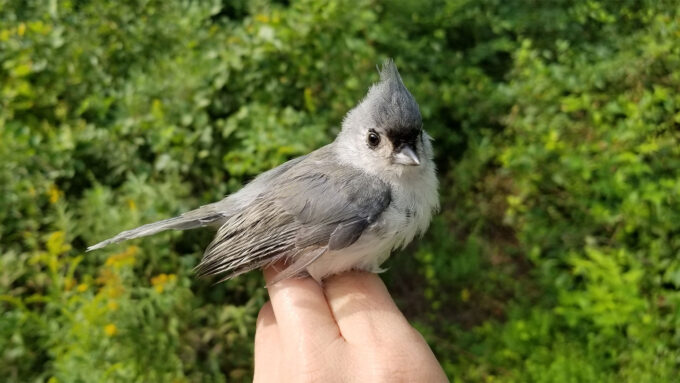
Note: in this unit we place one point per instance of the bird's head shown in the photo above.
(384, 132)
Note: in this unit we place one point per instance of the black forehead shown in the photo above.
(401, 136)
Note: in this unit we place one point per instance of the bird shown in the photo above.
(347, 205)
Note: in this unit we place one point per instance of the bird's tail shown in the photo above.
(203, 216)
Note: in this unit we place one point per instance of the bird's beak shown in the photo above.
(406, 156)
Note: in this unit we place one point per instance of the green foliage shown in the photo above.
(555, 256)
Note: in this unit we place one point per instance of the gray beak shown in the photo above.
(406, 156)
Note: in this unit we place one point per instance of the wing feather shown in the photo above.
(313, 207)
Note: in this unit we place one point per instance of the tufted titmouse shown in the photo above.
(344, 206)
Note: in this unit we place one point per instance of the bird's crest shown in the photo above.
(391, 105)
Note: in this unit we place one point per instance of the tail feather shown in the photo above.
(203, 216)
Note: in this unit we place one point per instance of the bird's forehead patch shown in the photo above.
(402, 136)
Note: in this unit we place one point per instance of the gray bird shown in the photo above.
(344, 206)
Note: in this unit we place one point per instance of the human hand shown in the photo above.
(348, 330)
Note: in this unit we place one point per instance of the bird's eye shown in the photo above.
(373, 139)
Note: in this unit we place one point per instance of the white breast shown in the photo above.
(414, 200)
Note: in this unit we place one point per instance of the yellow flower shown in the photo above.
(55, 243)
(82, 287)
(131, 205)
(465, 295)
(112, 306)
(262, 18)
(112, 287)
(106, 277)
(21, 29)
(110, 329)
(69, 283)
(160, 280)
(114, 291)
(54, 193)
(127, 257)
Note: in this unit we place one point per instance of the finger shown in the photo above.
(267, 346)
(363, 308)
(301, 311)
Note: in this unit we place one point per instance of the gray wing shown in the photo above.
(315, 206)
(213, 214)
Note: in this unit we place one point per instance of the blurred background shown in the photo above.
(556, 257)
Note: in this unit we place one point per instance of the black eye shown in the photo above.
(373, 139)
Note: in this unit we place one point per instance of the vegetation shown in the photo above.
(557, 125)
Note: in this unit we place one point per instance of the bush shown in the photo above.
(555, 257)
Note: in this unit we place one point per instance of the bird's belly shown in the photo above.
(367, 253)
(373, 248)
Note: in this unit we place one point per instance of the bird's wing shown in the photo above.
(315, 206)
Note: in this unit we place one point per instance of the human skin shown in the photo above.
(348, 330)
